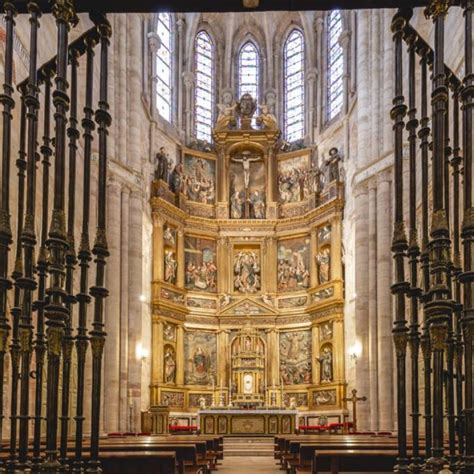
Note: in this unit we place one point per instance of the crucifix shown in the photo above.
(245, 160)
(354, 399)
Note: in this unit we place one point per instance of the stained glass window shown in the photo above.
(204, 91)
(293, 64)
(163, 67)
(335, 70)
(248, 70)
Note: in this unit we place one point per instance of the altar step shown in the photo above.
(248, 446)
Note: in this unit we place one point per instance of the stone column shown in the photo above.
(313, 263)
(318, 29)
(112, 309)
(124, 349)
(154, 43)
(372, 309)
(188, 78)
(135, 306)
(180, 24)
(121, 102)
(363, 105)
(387, 64)
(180, 251)
(361, 263)
(311, 81)
(376, 124)
(180, 355)
(344, 41)
(158, 223)
(384, 304)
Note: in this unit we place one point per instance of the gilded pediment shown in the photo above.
(247, 307)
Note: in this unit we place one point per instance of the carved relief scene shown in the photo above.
(200, 353)
(200, 263)
(198, 183)
(295, 357)
(293, 264)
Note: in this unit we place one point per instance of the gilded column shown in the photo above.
(158, 352)
(338, 338)
(222, 208)
(336, 249)
(223, 267)
(313, 263)
(315, 345)
(180, 355)
(271, 264)
(222, 359)
(273, 361)
(157, 247)
(181, 265)
(112, 308)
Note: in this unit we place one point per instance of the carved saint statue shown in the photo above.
(170, 267)
(170, 366)
(266, 119)
(226, 115)
(324, 265)
(236, 205)
(162, 165)
(326, 365)
(258, 204)
(176, 179)
(245, 159)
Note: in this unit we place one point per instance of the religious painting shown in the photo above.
(200, 264)
(169, 364)
(295, 179)
(200, 353)
(201, 303)
(323, 294)
(172, 296)
(172, 399)
(323, 260)
(295, 357)
(324, 397)
(325, 360)
(170, 260)
(247, 277)
(199, 181)
(298, 399)
(292, 302)
(325, 331)
(196, 400)
(293, 264)
(247, 187)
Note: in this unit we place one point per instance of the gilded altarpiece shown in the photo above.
(247, 276)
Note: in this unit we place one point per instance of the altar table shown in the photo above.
(233, 422)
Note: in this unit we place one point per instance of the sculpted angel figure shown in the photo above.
(266, 119)
(226, 116)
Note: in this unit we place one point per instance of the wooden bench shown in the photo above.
(149, 462)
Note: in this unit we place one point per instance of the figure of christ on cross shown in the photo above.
(354, 399)
(245, 160)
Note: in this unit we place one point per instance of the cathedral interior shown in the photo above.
(241, 223)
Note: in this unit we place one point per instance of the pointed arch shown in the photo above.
(293, 85)
(335, 64)
(249, 70)
(204, 67)
(164, 66)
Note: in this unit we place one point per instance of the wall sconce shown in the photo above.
(355, 351)
(141, 352)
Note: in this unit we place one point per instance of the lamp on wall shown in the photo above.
(355, 351)
(141, 352)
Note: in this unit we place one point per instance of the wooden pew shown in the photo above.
(150, 462)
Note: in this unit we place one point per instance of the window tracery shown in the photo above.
(248, 68)
(335, 66)
(293, 65)
(164, 67)
(204, 91)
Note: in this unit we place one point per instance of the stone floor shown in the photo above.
(248, 465)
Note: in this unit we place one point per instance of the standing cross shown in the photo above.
(354, 399)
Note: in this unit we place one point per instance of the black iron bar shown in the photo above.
(17, 273)
(413, 253)
(8, 104)
(100, 250)
(27, 281)
(84, 255)
(55, 311)
(399, 242)
(68, 340)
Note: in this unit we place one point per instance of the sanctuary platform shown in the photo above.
(233, 422)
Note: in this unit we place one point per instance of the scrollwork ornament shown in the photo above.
(426, 347)
(468, 222)
(400, 340)
(67, 349)
(437, 8)
(439, 221)
(63, 10)
(25, 339)
(97, 346)
(438, 334)
(55, 339)
(3, 340)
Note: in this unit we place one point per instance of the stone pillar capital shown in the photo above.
(113, 184)
(180, 24)
(384, 176)
(318, 24)
(154, 42)
(360, 189)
